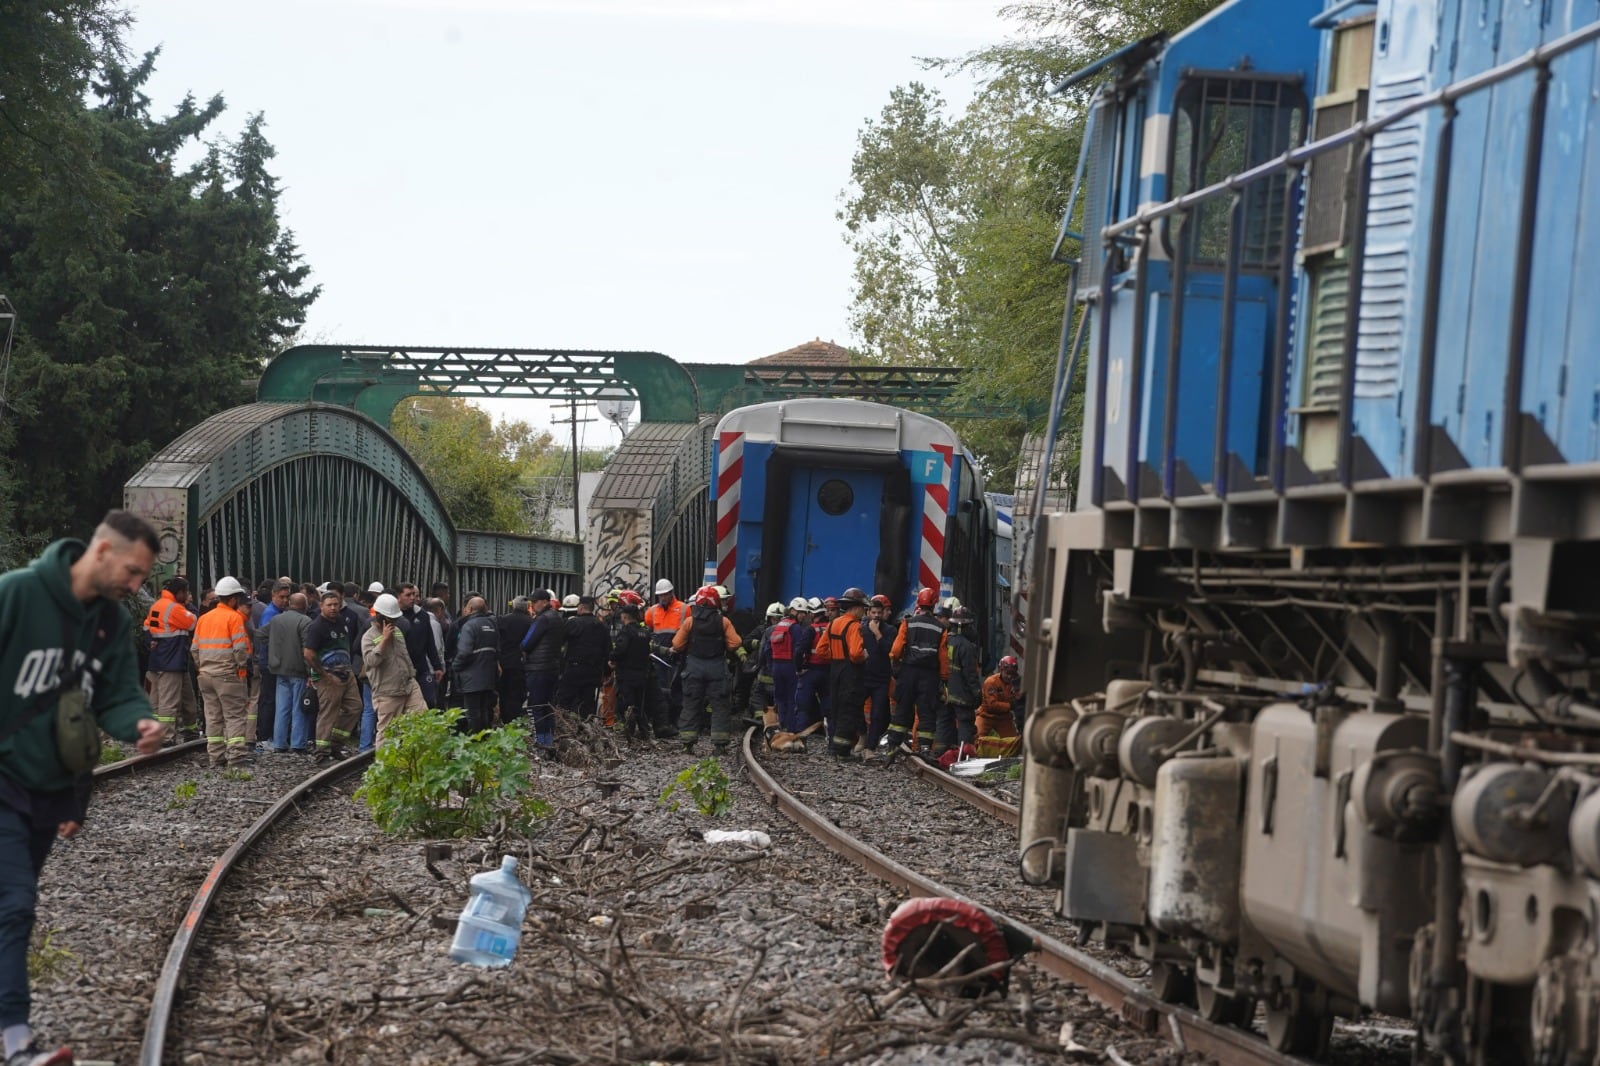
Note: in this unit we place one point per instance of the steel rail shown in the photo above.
(135, 762)
(166, 993)
(969, 794)
(1131, 1001)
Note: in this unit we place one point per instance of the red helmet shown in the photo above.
(928, 598)
(1008, 665)
(630, 596)
(880, 600)
(706, 596)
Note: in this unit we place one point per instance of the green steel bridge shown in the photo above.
(307, 481)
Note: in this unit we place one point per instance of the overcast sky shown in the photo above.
(622, 174)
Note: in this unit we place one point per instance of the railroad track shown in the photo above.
(153, 1050)
(1125, 996)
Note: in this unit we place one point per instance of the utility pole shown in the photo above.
(573, 420)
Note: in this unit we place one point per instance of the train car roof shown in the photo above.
(845, 425)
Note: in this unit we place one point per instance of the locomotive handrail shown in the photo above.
(1297, 157)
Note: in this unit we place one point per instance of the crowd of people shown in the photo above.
(323, 669)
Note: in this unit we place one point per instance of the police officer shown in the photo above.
(588, 648)
(920, 650)
(705, 639)
(630, 665)
(541, 663)
(477, 664)
(510, 628)
(847, 673)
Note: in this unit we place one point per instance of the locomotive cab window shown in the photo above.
(835, 497)
(1224, 124)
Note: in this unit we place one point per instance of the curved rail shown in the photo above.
(969, 794)
(134, 762)
(1123, 995)
(166, 994)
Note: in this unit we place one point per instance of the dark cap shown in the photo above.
(585, 601)
(539, 594)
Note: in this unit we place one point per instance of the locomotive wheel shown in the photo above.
(1297, 1027)
(1172, 983)
(1219, 1007)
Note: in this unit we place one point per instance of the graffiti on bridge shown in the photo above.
(617, 551)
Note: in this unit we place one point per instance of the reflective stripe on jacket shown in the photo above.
(221, 645)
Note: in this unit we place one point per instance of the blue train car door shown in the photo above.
(831, 536)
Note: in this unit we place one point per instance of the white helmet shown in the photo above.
(813, 605)
(376, 588)
(569, 602)
(799, 604)
(774, 610)
(229, 586)
(663, 587)
(387, 606)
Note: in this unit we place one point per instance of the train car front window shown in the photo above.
(835, 497)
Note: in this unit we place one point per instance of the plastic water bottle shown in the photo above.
(491, 923)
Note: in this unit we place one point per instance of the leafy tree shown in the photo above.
(133, 332)
(476, 465)
(952, 217)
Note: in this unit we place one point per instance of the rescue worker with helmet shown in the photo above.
(663, 620)
(847, 673)
(811, 691)
(920, 648)
(1000, 715)
(390, 671)
(781, 657)
(169, 629)
(222, 655)
(706, 638)
(760, 706)
(877, 634)
(964, 691)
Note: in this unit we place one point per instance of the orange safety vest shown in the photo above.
(666, 619)
(168, 618)
(220, 637)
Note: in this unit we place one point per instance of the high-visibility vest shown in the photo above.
(221, 642)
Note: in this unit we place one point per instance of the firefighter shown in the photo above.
(847, 673)
(921, 652)
(705, 639)
(760, 705)
(963, 692)
(223, 656)
(1001, 711)
(663, 620)
(780, 653)
(169, 627)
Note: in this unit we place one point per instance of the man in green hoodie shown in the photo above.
(70, 593)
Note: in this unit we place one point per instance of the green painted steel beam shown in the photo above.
(932, 390)
(373, 380)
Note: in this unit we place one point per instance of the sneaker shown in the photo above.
(33, 1056)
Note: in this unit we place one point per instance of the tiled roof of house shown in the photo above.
(812, 353)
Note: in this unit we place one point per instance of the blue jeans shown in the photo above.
(289, 728)
(369, 719)
(541, 689)
(23, 849)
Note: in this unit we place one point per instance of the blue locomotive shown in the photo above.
(1309, 653)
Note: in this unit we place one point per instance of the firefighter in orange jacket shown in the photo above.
(222, 656)
(847, 674)
(705, 638)
(922, 651)
(662, 620)
(169, 627)
(998, 714)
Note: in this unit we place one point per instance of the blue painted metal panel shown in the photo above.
(752, 509)
(1579, 431)
(822, 552)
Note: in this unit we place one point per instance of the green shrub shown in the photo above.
(182, 793)
(46, 959)
(427, 780)
(110, 753)
(706, 784)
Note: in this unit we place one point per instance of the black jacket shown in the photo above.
(513, 627)
(424, 652)
(966, 682)
(477, 658)
(588, 643)
(541, 648)
(631, 652)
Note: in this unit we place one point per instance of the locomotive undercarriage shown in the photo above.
(1330, 782)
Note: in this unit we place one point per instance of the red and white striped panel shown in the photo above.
(935, 509)
(730, 476)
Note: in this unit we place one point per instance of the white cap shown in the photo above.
(663, 587)
(387, 605)
(569, 602)
(229, 586)
(375, 587)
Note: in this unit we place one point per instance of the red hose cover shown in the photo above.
(915, 913)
